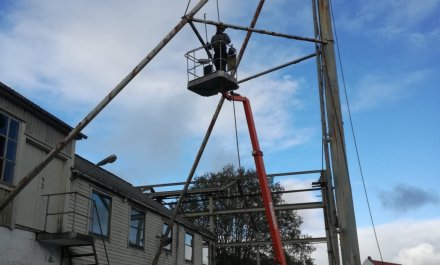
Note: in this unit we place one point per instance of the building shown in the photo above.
(370, 261)
(74, 212)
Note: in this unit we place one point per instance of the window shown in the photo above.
(170, 236)
(101, 207)
(8, 147)
(205, 253)
(137, 228)
(189, 242)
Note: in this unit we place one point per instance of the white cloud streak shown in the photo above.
(376, 91)
(409, 242)
(73, 53)
(389, 19)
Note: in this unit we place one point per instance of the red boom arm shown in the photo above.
(264, 185)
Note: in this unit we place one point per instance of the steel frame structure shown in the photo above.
(335, 182)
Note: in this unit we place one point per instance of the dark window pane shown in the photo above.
(3, 124)
(1, 168)
(2, 146)
(13, 129)
(100, 214)
(11, 150)
(8, 175)
(137, 224)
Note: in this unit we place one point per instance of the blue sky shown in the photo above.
(67, 55)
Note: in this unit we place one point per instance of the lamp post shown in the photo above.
(108, 160)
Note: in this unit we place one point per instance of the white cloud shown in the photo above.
(374, 91)
(410, 242)
(313, 224)
(389, 18)
(421, 254)
(74, 53)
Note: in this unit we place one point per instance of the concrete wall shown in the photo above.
(18, 247)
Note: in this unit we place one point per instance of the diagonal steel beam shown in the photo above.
(277, 68)
(104, 102)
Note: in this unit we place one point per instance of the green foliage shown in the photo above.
(246, 227)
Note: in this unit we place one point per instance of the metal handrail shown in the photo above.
(74, 212)
(194, 62)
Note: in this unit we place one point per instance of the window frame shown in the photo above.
(208, 246)
(132, 208)
(168, 247)
(92, 208)
(185, 246)
(9, 140)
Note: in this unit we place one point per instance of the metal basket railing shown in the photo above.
(203, 61)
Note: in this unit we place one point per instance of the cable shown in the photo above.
(186, 10)
(236, 136)
(218, 12)
(206, 29)
(353, 132)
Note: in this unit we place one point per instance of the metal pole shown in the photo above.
(326, 176)
(266, 32)
(344, 199)
(196, 162)
(249, 33)
(188, 181)
(200, 39)
(76, 131)
(100, 229)
(147, 187)
(277, 68)
(211, 217)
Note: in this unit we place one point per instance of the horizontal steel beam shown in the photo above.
(283, 207)
(176, 193)
(172, 194)
(147, 187)
(261, 31)
(265, 243)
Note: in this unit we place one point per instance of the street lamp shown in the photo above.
(108, 160)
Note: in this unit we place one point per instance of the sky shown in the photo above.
(67, 55)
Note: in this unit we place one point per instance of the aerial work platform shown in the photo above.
(212, 84)
(212, 75)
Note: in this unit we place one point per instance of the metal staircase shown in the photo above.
(81, 255)
(77, 248)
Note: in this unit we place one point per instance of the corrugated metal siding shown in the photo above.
(117, 245)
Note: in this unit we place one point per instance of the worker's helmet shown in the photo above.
(221, 27)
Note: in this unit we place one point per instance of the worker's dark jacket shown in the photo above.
(218, 43)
